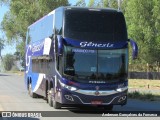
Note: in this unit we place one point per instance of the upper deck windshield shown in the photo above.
(90, 25)
(86, 65)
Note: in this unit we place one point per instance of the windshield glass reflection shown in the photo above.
(85, 64)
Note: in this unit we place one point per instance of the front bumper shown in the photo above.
(85, 97)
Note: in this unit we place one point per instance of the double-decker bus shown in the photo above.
(79, 56)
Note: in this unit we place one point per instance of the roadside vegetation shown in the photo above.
(144, 96)
(8, 62)
(141, 89)
(144, 84)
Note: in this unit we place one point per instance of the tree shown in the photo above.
(104, 3)
(1, 45)
(81, 3)
(143, 21)
(91, 3)
(8, 62)
(22, 14)
(113, 4)
(156, 19)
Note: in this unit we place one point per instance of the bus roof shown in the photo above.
(92, 8)
(77, 8)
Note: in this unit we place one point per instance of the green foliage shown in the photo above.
(142, 96)
(81, 3)
(22, 14)
(142, 18)
(8, 25)
(91, 3)
(103, 3)
(113, 4)
(8, 62)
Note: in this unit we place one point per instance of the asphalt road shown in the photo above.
(14, 97)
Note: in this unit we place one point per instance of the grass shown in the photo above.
(144, 84)
(140, 87)
(144, 96)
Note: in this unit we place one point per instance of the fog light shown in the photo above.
(122, 99)
(69, 97)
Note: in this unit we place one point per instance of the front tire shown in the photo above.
(30, 92)
(50, 92)
(56, 104)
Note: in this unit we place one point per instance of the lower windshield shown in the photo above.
(85, 65)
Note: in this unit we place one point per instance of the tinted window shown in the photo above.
(42, 66)
(86, 64)
(95, 25)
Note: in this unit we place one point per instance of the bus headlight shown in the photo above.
(73, 89)
(68, 87)
(121, 89)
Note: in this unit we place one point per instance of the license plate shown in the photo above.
(96, 102)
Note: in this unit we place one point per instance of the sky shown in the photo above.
(8, 49)
(11, 49)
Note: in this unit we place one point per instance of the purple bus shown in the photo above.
(79, 56)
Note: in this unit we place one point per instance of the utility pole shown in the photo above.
(1, 46)
(0, 57)
(119, 4)
(109, 3)
(0, 51)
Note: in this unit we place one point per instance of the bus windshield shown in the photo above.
(95, 25)
(86, 65)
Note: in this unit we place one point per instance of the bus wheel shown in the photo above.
(56, 104)
(50, 102)
(108, 107)
(33, 95)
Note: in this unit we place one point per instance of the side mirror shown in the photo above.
(60, 45)
(134, 49)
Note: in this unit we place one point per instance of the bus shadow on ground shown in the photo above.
(84, 112)
(4, 75)
(88, 110)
